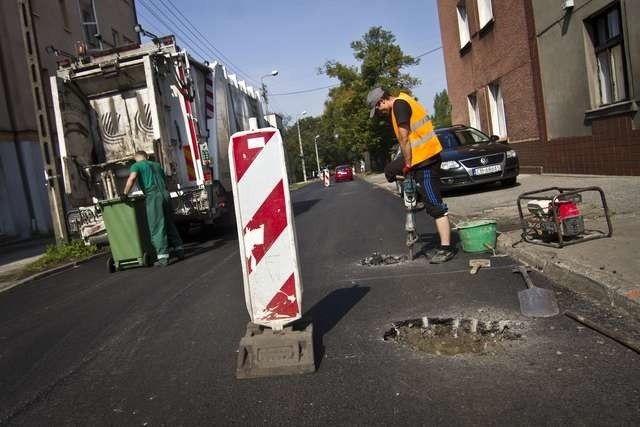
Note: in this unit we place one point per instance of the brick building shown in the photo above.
(24, 206)
(557, 79)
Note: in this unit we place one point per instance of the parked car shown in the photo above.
(470, 157)
(344, 173)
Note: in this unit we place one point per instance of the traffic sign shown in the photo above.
(266, 231)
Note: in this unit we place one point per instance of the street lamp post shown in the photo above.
(304, 168)
(315, 142)
(263, 87)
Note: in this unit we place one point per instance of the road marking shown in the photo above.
(421, 274)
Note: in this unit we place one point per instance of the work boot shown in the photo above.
(442, 255)
(161, 262)
(179, 253)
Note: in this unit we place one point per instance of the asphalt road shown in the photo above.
(158, 346)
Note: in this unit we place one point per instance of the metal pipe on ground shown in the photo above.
(604, 331)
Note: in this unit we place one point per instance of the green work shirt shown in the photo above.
(150, 176)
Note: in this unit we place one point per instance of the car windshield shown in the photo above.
(452, 138)
(343, 168)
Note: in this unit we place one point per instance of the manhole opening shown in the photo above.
(451, 336)
(383, 259)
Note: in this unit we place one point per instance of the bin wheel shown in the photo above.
(111, 266)
(146, 259)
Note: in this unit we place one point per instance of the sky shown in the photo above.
(253, 37)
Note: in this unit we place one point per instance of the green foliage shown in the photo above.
(381, 63)
(309, 128)
(441, 110)
(63, 253)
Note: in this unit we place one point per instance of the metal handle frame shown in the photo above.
(562, 193)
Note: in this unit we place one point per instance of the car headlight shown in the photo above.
(452, 164)
(511, 154)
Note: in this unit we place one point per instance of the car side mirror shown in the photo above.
(494, 138)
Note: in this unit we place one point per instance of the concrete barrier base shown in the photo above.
(265, 352)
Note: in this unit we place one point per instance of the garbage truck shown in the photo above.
(157, 98)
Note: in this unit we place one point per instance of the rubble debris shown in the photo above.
(383, 259)
(452, 336)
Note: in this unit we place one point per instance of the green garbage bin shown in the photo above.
(128, 233)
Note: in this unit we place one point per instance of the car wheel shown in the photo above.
(510, 181)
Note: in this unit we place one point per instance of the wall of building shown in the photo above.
(568, 78)
(499, 52)
(584, 137)
(612, 149)
(57, 23)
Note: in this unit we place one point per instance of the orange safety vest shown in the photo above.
(424, 141)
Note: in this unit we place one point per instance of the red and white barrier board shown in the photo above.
(326, 177)
(266, 232)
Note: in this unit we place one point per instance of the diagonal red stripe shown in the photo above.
(272, 216)
(243, 155)
(284, 303)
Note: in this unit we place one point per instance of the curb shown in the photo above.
(52, 271)
(567, 275)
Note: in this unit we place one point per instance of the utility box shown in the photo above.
(128, 233)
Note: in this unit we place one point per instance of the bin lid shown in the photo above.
(116, 200)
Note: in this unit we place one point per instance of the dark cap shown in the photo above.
(374, 95)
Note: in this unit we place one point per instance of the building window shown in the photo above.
(65, 14)
(116, 37)
(463, 26)
(496, 106)
(485, 12)
(607, 38)
(89, 23)
(474, 113)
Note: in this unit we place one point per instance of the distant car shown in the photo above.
(470, 157)
(344, 173)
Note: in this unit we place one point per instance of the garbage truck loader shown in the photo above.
(152, 97)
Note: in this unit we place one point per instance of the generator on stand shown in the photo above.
(553, 216)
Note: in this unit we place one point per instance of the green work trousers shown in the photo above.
(164, 233)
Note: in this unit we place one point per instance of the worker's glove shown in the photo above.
(406, 169)
(124, 197)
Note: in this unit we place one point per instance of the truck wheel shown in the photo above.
(111, 266)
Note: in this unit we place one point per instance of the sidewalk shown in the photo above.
(605, 269)
(14, 257)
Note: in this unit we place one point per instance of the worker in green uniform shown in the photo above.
(152, 182)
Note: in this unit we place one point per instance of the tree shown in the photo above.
(381, 64)
(441, 110)
(309, 128)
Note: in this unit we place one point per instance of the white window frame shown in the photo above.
(485, 12)
(474, 111)
(463, 25)
(609, 52)
(87, 23)
(496, 108)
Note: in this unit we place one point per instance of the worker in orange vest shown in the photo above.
(420, 149)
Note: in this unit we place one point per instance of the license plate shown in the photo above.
(487, 169)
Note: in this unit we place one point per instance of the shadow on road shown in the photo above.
(303, 206)
(205, 239)
(326, 314)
